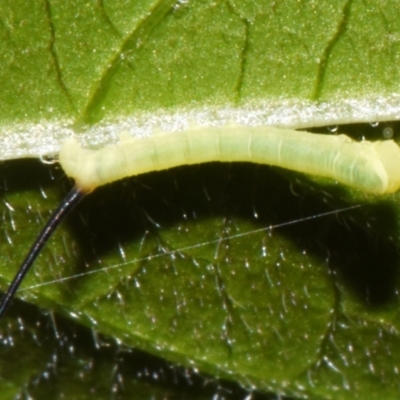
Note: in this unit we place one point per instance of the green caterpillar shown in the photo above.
(373, 167)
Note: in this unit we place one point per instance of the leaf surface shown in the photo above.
(193, 264)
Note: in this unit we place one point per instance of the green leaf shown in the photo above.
(194, 265)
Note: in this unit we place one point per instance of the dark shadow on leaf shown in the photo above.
(53, 346)
(358, 244)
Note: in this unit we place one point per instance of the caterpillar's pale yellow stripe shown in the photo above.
(370, 166)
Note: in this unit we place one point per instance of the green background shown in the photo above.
(195, 267)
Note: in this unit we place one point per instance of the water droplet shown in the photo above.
(388, 133)
(47, 160)
(180, 4)
(374, 124)
(333, 128)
